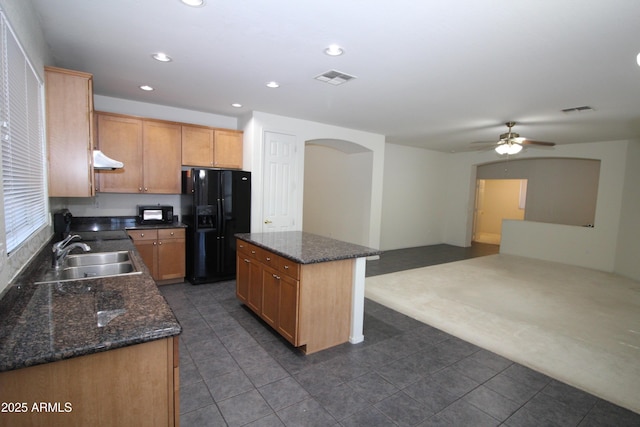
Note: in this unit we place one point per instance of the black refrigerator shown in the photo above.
(216, 204)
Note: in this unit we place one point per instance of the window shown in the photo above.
(22, 135)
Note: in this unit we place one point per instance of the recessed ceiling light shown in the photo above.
(236, 105)
(146, 87)
(162, 57)
(193, 3)
(334, 50)
(273, 84)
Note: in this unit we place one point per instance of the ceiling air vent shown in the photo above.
(577, 109)
(334, 77)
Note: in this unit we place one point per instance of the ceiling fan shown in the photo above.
(511, 142)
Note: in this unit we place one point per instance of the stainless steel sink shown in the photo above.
(91, 271)
(92, 265)
(96, 258)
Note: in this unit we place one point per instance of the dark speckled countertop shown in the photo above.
(307, 248)
(42, 323)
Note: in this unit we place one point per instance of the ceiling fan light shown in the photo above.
(508, 148)
(502, 149)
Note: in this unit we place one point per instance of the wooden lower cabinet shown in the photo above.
(270, 296)
(288, 301)
(308, 304)
(136, 385)
(163, 252)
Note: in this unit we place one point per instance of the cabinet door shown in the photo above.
(227, 149)
(255, 288)
(288, 309)
(120, 138)
(243, 271)
(197, 146)
(69, 109)
(161, 157)
(147, 250)
(171, 254)
(270, 296)
(145, 242)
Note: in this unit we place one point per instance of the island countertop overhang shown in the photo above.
(307, 248)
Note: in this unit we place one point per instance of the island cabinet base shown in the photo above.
(130, 386)
(308, 304)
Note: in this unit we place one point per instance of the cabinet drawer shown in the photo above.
(290, 268)
(248, 249)
(138, 235)
(170, 233)
(268, 258)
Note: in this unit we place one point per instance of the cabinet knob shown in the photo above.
(246, 260)
(275, 276)
(141, 234)
(286, 267)
(146, 189)
(268, 258)
(154, 243)
(159, 243)
(140, 189)
(171, 233)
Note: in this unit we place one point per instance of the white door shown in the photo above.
(280, 189)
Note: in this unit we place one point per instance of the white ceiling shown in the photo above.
(435, 73)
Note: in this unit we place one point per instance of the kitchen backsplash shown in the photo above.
(111, 204)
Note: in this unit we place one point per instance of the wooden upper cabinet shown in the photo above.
(197, 146)
(227, 149)
(120, 138)
(161, 157)
(210, 147)
(69, 110)
(149, 149)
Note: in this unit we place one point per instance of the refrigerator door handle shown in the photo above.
(223, 220)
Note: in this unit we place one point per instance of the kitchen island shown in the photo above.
(99, 351)
(309, 288)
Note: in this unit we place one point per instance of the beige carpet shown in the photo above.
(574, 324)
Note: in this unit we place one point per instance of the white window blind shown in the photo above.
(23, 147)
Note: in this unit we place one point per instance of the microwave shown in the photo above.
(155, 214)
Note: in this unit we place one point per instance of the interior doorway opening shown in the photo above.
(496, 200)
(337, 190)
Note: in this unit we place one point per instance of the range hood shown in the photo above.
(102, 162)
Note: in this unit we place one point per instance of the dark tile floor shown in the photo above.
(235, 371)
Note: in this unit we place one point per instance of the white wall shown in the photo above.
(162, 112)
(414, 197)
(303, 130)
(627, 261)
(337, 193)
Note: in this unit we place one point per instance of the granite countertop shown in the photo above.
(307, 248)
(41, 323)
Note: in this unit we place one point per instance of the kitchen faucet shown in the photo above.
(61, 249)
